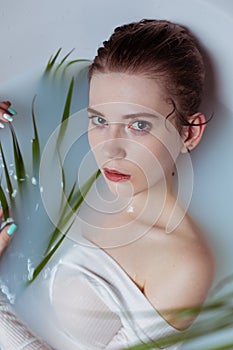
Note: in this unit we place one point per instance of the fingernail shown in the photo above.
(7, 117)
(6, 222)
(2, 126)
(11, 229)
(12, 111)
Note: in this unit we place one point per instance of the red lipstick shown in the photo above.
(115, 176)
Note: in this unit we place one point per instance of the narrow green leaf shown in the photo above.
(81, 193)
(19, 163)
(53, 238)
(76, 61)
(200, 329)
(7, 176)
(66, 112)
(52, 61)
(47, 257)
(222, 347)
(64, 222)
(63, 180)
(4, 204)
(70, 208)
(79, 197)
(35, 143)
(71, 195)
(56, 233)
(42, 264)
(64, 59)
(63, 174)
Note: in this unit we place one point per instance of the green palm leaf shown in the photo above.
(76, 61)
(4, 204)
(57, 233)
(72, 205)
(79, 197)
(35, 143)
(66, 113)
(64, 59)
(52, 61)
(7, 176)
(18, 158)
(42, 264)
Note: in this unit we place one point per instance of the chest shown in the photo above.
(132, 261)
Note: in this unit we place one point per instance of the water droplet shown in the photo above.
(5, 290)
(37, 207)
(130, 209)
(30, 269)
(34, 181)
(14, 193)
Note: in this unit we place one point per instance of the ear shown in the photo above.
(192, 134)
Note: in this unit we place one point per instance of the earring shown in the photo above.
(188, 149)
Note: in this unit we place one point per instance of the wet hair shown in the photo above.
(160, 50)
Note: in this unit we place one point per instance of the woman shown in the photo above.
(146, 84)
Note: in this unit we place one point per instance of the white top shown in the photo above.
(92, 303)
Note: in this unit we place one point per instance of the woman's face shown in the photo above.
(134, 145)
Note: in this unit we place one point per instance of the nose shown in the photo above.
(115, 145)
(112, 149)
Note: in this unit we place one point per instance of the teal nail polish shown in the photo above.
(7, 117)
(12, 111)
(11, 229)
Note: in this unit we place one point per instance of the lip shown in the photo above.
(115, 175)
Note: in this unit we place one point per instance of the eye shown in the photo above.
(141, 126)
(97, 120)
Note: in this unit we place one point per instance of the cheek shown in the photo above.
(151, 167)
(146, 153)
(94, 140)
(145, 158)
(151, 162)
(91, 139)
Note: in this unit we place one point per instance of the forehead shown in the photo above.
(121, 91)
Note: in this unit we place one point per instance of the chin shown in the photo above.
(121, 189)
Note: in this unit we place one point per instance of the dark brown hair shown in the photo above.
(161, 50)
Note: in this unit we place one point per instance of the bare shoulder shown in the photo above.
(185, 273)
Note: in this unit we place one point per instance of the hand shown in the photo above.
(6, 113)
(6, 233)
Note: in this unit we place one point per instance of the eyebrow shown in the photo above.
(127, 116)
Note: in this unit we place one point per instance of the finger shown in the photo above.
(2, 217)
(6, 236)
(5, 104)
(6, 113)
(3, 223)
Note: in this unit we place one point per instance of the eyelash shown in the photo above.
(137, 131)
(93, 117)
(146, 130)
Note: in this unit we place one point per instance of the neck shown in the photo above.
(154, 205)
(148, 209)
